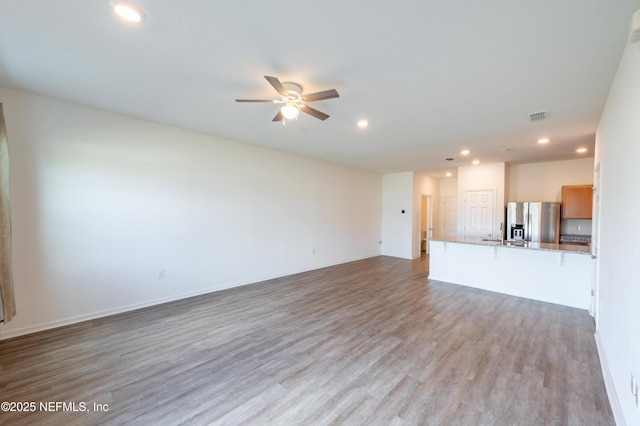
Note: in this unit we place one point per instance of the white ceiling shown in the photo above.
(432, 77)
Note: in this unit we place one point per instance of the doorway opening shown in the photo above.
(426, 223)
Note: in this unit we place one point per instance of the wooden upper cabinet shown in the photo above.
(577, 201)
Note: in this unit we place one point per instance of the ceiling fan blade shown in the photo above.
(312, 111)
(278, 116)
(327, 94)
(277, 85)
(255, 100)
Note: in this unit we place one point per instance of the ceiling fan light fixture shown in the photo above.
(289, 111)
(293, 101)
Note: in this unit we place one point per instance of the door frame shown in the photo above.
(594, 308)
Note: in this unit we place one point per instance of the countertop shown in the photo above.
(566, 248)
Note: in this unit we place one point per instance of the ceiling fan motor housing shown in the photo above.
(294, 89)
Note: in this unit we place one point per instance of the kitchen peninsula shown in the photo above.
(561, 274)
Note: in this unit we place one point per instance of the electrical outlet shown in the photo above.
(161, 274)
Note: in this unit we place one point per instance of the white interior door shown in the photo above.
(479, 213)
(450, 225)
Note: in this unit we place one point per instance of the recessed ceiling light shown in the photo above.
(581, 150)
(363, 123)
(127, 11)
(465, 152)
(448, 174)
(475, 162)
(543, 140)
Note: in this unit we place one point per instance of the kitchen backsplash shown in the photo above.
(575, 226)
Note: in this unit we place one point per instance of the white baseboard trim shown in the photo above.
(4, 335)
(618, 416)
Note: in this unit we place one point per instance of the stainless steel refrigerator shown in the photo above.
(533, 221)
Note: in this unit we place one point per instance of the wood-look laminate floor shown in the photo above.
(368, 342)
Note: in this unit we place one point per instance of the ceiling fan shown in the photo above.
(293, 101)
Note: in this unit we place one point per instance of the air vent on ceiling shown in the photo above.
(538, 116)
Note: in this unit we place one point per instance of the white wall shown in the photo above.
(103, 203)
(448, 187)
(618, 151)
(397, 227)
(424, 184)
(544, 181)
(483, 176)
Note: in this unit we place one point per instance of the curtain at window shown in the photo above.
(7, 301)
